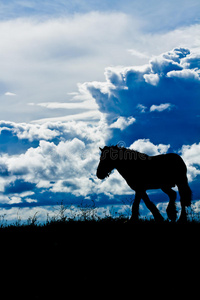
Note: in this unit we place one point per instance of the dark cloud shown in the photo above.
(4, 170)
(19, 186)
(170, 79)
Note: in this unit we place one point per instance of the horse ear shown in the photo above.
(101, 149)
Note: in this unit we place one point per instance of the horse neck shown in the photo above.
(124, 161)
(121, 164)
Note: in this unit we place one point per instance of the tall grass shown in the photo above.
(65, 214)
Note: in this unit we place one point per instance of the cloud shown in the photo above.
(60, 162)
(88, 116)
(25, 135)
(188, 75)
(168, 84)
(65, 167)
(86, 105)
(122, 122)
(145, 146)
(153, 79)
(19, 186)
(161, 107)
(49, 149)
(68, 48)
(191, 156)
(16, 138)
(137, 53)
(141, 108)
(55, 158)
(9, 94)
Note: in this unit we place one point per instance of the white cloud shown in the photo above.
(87, 116)
(42, 61)
(161, 107)
(15, 200)
(141, 108)
(122, 122)
(9, 94)
(191, 153)
(96, 131)
(114, 185)
(191, 156)
(151, 78)
(127, 87)
(68, 166)
(50, 162)
(30, 200)
(29, 131)
(147, 147)
(65, 166)
(138, 54)
(89, 104)
(185, 74)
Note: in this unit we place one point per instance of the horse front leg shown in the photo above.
(151, 206)
(135, 207)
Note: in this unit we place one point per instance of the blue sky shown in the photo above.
(77, 75)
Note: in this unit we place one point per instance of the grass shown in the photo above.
(89, 254)
(87, 215)
(87, 227)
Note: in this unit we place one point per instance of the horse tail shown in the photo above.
(185, 193)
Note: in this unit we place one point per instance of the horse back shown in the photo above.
(155, 172)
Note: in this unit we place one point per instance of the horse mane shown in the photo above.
(127, 150)
(116, 147)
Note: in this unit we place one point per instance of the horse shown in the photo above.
(143, 172)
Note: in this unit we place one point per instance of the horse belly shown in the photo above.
(152, 186)
(145, 183)
(152, 179)
(155, 173)
(158, 178)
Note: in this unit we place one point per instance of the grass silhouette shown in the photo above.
(87, 215)
(77, 255)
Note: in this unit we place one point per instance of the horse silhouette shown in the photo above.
(143, 172)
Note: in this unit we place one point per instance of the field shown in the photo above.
(68, 256)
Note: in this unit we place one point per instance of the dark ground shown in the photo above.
(96, 258)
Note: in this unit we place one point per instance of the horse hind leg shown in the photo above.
(171, 208)
(135, 207)
(151, 206)
(185, 199)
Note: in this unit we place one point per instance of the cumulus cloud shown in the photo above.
(60, 162)
(28, 131)
(152, 108)
(122, 122)
(168, 84)
(70, 49)
(16, 133)
(188, 75)
(145, 146)
(67, 50)
(55, 158)
(191, 155)
(152, 79)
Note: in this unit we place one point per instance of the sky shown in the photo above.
(79, 75)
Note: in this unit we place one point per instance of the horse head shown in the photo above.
(106, 164)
